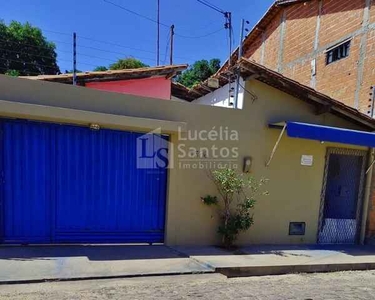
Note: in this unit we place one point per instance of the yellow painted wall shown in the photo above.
(294, 189)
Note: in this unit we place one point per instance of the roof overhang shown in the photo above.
(114, 75)
(252, 70)
(322, 103)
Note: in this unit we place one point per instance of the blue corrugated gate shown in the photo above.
(72, 184)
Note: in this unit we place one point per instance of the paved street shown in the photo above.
(344, 285)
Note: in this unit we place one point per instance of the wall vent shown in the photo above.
(297, 228)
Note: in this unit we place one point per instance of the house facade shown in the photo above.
(154, 82)
(75, 164)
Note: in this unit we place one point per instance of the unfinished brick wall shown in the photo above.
(368, 73)
(339, 79)
(272, 42)
(297, 49)
(300, 31)
(312, 27)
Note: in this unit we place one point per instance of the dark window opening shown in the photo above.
(338, 52)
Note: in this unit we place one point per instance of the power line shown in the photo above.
(33, 55)
(24, 53)
(166, 48)
(43, 56)
(96, 57)
(25, 62)
(32, 46)
(135, 13)
(212, 6)
(155, 21)
(65, 60)
(228, 23)
(57, 32)
(42, 65)
(101, 41)
(70, 52)
(126, 47)
(114, 52)
(115, 44)
(200, 36)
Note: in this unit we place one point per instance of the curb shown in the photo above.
(199, 262)
(43, 280)
(231, 272)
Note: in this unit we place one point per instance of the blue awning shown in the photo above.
(330, 134)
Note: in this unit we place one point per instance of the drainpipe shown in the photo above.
(366, 200)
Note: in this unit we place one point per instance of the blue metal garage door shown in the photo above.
(72, 184)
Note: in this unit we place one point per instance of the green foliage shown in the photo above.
(238, 197)
(25, 50)
(199, 71)
(100, 68)
(127, 63)
(209, 200)
(14, 73)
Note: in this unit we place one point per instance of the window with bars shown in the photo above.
(339, 52)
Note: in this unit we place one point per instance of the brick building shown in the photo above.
(326, 44)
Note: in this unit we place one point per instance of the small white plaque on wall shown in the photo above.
(307, 160)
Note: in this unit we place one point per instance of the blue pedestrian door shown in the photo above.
(72, 184)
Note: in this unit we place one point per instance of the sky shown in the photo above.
(106, 32)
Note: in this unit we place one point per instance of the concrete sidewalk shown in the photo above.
(275, 260)
(64, 262)
(47, 263)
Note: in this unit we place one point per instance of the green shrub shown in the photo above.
(238, 195)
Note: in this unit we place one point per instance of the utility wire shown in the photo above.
(29, 45)
(114, 52)
(42, 65)
(96, 57)
(212, 6)
(166, 48)
(135, 13)
(156, 22)
(59, 59)
(127, 47)
(25, 53)
(65, 60)
(201, 36)
(30, 63)
(114, 44)
(57, 32)
(81, 46)
(93, 40)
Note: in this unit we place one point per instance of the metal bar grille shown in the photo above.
(342, 196)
